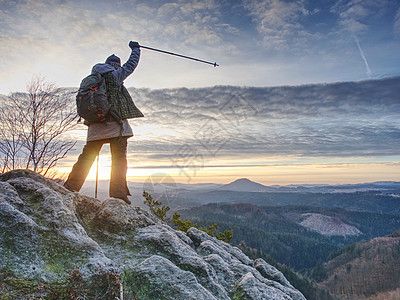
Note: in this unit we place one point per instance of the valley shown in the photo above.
(332, 241)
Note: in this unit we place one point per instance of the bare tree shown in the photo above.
(10, 142)
(35, 124)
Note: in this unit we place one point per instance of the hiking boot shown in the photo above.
(125, 198)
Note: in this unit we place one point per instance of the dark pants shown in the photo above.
(119, 166)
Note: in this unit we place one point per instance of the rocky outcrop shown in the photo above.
(56, 244)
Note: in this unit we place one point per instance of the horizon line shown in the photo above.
(273, 185)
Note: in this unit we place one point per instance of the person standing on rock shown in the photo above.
(114, 132)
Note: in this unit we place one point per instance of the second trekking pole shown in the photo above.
(97, 176)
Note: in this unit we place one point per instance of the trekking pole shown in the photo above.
(97, 176)
(180, 55)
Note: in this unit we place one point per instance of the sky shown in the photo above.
(304, 46)
(347, 132)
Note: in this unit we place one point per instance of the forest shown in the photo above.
(323, 267)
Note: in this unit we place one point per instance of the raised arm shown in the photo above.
(127, 69)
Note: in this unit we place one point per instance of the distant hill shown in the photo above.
(369, 270)
(244, 185)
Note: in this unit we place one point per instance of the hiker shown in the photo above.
(112, 131)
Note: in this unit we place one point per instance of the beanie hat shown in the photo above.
(114, 60)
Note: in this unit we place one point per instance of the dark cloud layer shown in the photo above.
(339, 120)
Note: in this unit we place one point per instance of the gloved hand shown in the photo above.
(133, 45)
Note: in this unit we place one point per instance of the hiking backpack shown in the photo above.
(91, 101)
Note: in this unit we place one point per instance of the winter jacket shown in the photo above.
(119, 99)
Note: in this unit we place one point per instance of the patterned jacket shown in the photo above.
(120, 99)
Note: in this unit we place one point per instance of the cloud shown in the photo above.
(354, 16)
(278, 21)
(359, 23)
(396, 25)
(45, 33)
(193, 23)
(350, 119)
(79, 22)
(261, 43)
